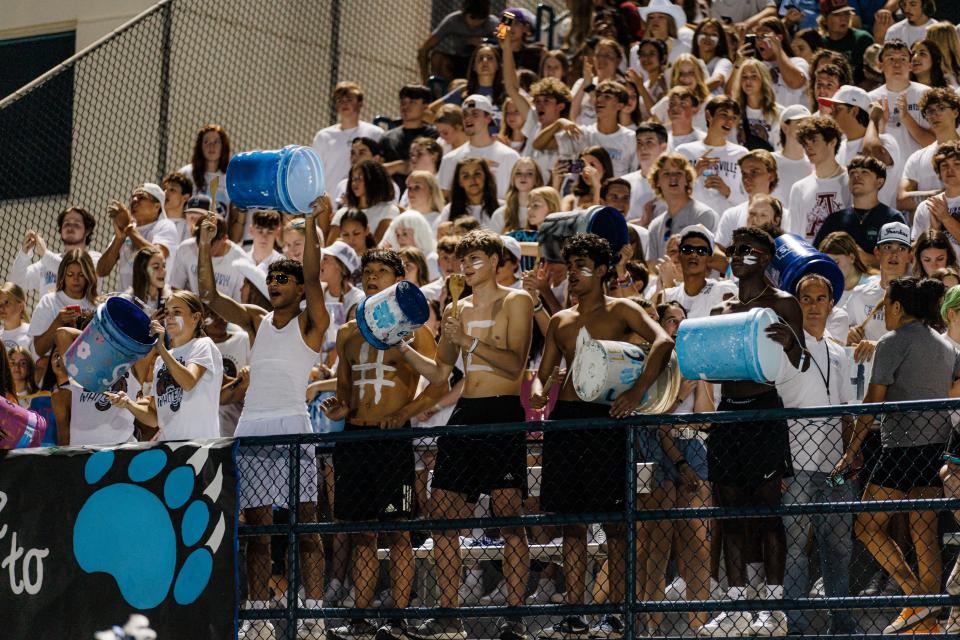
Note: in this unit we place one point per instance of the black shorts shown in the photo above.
(583, 470)
(373, 479)
(903, 468)
(747, 454)
(475, 465)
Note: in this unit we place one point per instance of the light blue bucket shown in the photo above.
(287, 179)
(117, 336)
(733, 346)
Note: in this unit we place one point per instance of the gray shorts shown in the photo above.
(264, 471)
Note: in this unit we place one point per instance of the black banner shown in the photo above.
(90, 536)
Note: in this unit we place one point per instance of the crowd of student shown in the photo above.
(712, 127)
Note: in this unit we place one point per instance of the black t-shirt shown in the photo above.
(863, 224)
(852, 46)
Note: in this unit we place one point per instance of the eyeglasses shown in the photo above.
(279, 278)
(934, 109)
(689, 249)
(742, 250)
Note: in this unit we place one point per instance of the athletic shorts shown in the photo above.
(263, 471)
(583, 470)
(747, 454)
(694, 451)
(475, 465)
(373, 479)
(903, 468)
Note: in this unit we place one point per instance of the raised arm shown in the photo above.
(121, 221)
(510, 77)
(245, 316)
(319, 318)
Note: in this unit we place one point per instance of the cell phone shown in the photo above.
(751, 39)
(576, 166)
(506, 21)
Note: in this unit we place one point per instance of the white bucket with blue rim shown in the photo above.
(386, 318)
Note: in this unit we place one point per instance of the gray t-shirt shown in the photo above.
(915, 363)
(665, 225)
(457, 38)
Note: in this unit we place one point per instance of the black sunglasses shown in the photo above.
(689, 249)
(741, 250)
(279, 278)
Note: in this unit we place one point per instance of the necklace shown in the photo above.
(763, 291)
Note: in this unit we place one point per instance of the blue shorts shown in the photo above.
(694, 450)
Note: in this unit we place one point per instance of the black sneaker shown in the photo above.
(393, 630)
(439, 629)
(355, 630)
(513, 630)
(610, 628)
(876, 585)
(570, 627)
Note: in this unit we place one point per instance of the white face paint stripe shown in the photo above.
(750, 260)
(477, 264)
(586, 273)
(469, 362)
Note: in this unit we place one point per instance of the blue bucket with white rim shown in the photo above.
(117, 336)
(286, 179)
(732, 346)
(386, 318)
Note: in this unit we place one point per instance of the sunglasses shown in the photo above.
(741, 250)
(279, 278)
(689, 249)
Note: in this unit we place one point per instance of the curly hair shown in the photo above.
(759, 236)
(589, 245)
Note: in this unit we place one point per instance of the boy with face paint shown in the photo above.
(287, 342)
(491, 330)
(373, 480)
(572, 459)
(747, 461)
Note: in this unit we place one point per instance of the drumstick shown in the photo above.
(863, 325)
(551, 380)
(214, 184)
(456, 283)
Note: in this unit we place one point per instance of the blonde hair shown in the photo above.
(676, 160)
(82, 258)
(550, 196)
(14, 291)
(511, 212)
(768, 99)
(436, 195)
(193, 304)
(700, 89)
(945, 36)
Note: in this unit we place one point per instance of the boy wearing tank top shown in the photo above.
(286, 345)
(491, 329)
(374, 479)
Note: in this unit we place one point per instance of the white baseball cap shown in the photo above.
(477, 101)
(700, 231)
(894, 232)
(848, 95)
(510, 244)
(157, 192)
(344, 253)
(794, 112)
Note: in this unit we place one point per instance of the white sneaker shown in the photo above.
(335, 593)
(310, 629)
(770, 624)
(257, 630)
(384, 600)
(544, 592)
(816, 591)
(734, 624)
(676, 590)
(596, 534)
(470, 588)
(497, 597)
(717, 592)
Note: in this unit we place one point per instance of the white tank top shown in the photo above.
(280, 364)
(93, 420)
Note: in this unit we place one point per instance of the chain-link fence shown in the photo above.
(698, 525)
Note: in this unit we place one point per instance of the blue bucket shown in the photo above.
(602, 220)
(795, 258)
(287, 179)
(117, 336)
(733, 346)
(386, 318)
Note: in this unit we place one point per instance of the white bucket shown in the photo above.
(386, 318)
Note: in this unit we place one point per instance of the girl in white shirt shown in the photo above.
(711, 46)
(150, 279)
(16, 320)
(72, 302)
(759, 112)
(210, 157)
(371, 191)
(474, 193)
(513, 215)
(187, 376)
(424, 195)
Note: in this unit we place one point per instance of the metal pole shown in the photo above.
(334, 54)
(630, 511)
(163, 117)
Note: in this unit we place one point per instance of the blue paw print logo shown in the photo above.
(129, 533)
(383, 316)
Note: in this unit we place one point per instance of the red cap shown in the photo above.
(834, 6)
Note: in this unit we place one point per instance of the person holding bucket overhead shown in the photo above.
(373, 480)
(580, 468)
(748, 460)
(187, 375)
(287, 343)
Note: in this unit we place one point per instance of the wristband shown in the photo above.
(537, 308)
(473, 345)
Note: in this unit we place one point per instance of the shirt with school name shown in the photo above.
(813, 199)
(726, 168)
(195, 413)
(895, 125)
(40, 275)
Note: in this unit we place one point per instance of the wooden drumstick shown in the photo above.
(456, 283)
(863, 325)
(214, 185)
(551, 380)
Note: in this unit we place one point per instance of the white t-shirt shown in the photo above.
(48, 307)
(719, 68)
(194, 414)
(375, 215)
(640, 194)
(545, 159)
(160, 232)
(93, 420)
(767, 129)
(499, 156)
(895, 126)
(919, 168)
(661, 111)
(910, 34)
(731, 220)
(789, 172)
(333, 146)
(816, 444)
(921, 220)
(812, 200)
(235, 352)
(229, 278)
(727, 168)
(40, 275)
(497, 220)
(888, 194)
(222, 196)
(675, 141)
(785, 95)
(861, 302)
(621, 145)
(19, 337)
(269, 260)
(712, 295)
